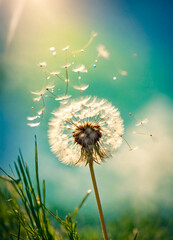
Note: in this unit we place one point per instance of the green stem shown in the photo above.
(98, 200)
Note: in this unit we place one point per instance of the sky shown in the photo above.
(138, 36)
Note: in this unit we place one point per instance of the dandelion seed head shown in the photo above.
(84, 131)
(102, 52)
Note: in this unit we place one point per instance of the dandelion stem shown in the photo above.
(98, 201)
(66, 69)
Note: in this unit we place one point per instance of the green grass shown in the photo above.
(30, 209)
(24, 214)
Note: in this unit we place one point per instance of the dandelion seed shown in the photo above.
(133, 149)
(82, 50)
(52, 49)
(89, 191)
(41, 111)
(102, 52)
(81, 88)
(34, 124)
(39, 93)
(32, 118)
(141, 133)
(66, 48)
(66, 66)
(43, 64)
(50, 87)
(145, 121)
(37, 99)
(94, 34)
(64, 102)
(81, 69)
(114, 78)
(55, 73)
(123, 72)
(63, 97)
(87, 128)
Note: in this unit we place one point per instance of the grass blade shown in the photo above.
(81, 204)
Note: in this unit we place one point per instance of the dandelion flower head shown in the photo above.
(87, 130)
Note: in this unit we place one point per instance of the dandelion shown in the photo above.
(102, 52)
(85, 132)
(87, 129)
(80, 69)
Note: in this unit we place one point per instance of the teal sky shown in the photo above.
(28, 29)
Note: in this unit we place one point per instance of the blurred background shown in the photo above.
(138, 36)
